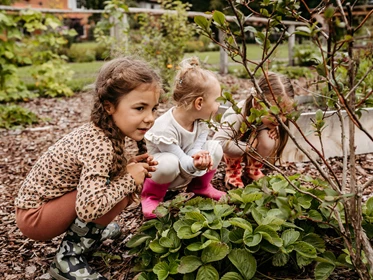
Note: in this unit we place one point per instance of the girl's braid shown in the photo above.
(102, 119)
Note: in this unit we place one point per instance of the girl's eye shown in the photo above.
(140, 108)
(155, 109)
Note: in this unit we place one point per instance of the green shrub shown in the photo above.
(14, 115)
(307, 54)
(80, 53)
(202, 44)
(266, 226)
(102, 52)
(51, 78)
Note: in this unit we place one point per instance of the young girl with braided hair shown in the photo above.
(266, 136)
(178, 139)
(85, 180)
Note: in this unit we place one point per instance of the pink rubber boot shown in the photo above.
(202, 186)
(152, 194)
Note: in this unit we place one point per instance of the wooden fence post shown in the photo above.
(223, 55)
(291, 44)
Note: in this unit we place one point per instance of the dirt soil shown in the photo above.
(22, 258)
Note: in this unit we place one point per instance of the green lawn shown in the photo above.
(85, 73)
(254, 52)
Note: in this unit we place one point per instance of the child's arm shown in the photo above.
(201, 140)
(186, 161)
(228, 134)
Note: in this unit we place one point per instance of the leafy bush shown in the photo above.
(80, 54)
(269, 224)
(164, 38)
(307, 54)
(51, 78)
(13, 115)
(201, 44)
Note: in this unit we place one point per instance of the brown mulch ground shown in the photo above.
(22, 258)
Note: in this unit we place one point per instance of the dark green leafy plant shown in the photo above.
(14, 116)
(274, 222)
(343, 86)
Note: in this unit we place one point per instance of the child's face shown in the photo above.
(210, 105)
(135, 113)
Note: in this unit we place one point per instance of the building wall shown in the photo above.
(49, 4)
(149, 4)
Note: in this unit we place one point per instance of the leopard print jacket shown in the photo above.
(79, 161)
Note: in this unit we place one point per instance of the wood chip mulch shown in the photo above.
(22, 258)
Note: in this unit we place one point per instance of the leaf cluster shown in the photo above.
(269, 222)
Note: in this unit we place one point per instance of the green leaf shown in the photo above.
(305, 249)
(223, 210)
(303, 261)
(231, 276)
(321, 70)
(315, 215)
(290, 236)
(329, 12)
(244, 262)
(241, 223)
(202, 22)
(162, 270)
(369, 205)
(250, 197)
(315, 240)
(196, 216)
(181, 223)
(250, 239)
(138, 239)
(216, 251)
(189, 264)
(250, 28)
(207, 272)
(236, 235)
(156, 247)
(197, 226)
(269, 234)
(185, 232)
(166, 242)
(278, 185)
(212, 235)
(275, 110)
(280, 259)
(257, 216)
(323, 271)
(219, 18)
(196, 246)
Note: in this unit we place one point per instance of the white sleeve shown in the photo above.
(201, 140)
(227, 134)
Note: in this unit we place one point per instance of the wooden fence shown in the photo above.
(223, 55)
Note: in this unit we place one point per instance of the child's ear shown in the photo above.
(198, 103)
(109, 107)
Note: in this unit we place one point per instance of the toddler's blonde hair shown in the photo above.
(191, 82)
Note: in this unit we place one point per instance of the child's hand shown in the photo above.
(148, 159)
(139, 171)
(273, 133)
(202, 160)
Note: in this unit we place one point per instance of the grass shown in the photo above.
(86, 72)
(254, 52)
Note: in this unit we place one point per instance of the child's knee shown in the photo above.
(167, 169)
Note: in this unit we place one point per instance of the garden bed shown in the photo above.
(22, 258)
